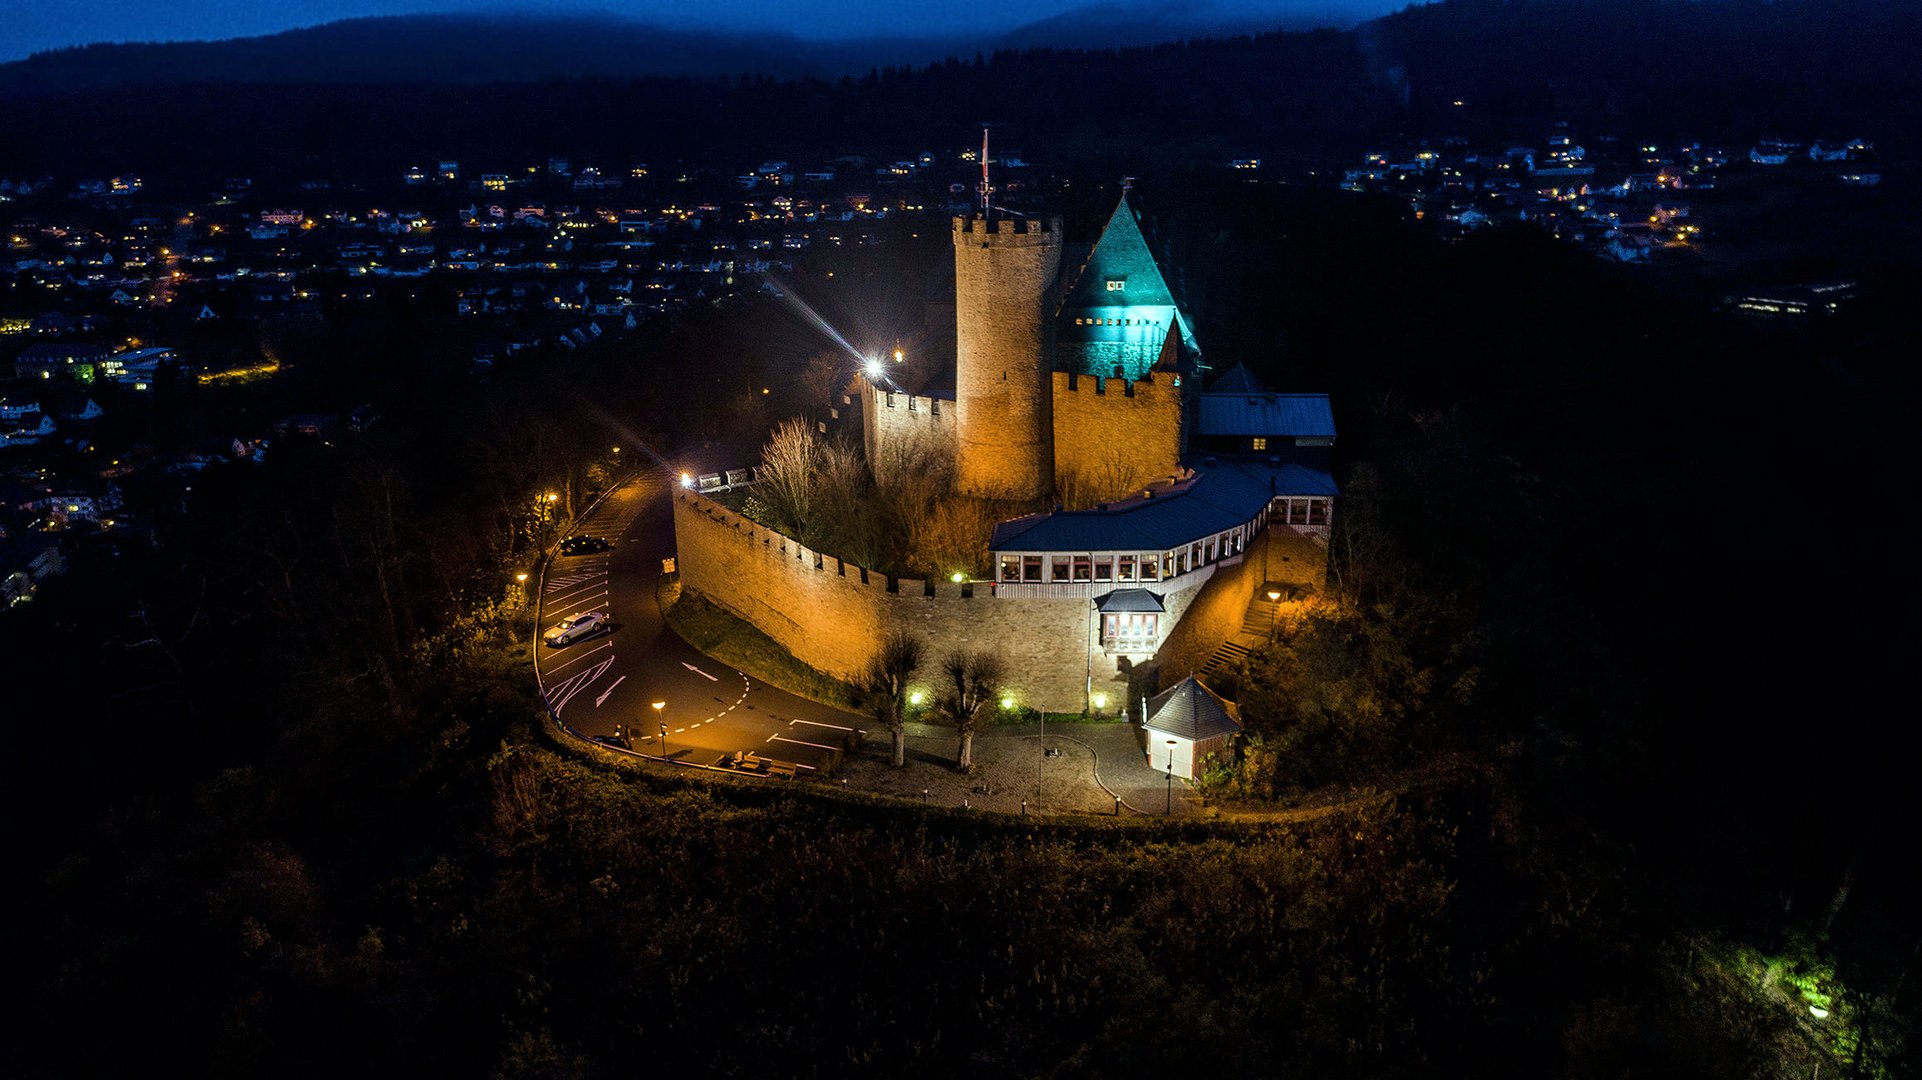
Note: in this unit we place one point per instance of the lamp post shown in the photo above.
(658, 706)
(1274, 610)
(1171, 778)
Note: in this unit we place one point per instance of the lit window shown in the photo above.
(1081, 563)
(1117, 284)
(1149, 568)
(1261, 442)
(1124, 567)
(1010, 568)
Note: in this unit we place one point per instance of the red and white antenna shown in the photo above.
(986, 189)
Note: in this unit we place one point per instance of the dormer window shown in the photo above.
(1116, 284)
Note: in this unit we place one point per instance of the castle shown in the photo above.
(1161, 507)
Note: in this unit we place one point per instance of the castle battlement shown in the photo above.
(1074, 382)
(1004, 232)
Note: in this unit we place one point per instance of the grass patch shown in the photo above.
(732, 640)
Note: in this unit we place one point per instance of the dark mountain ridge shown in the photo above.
(1718, 70)
(511, 47)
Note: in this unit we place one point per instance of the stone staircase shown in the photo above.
(1256, 624)
(1230, 654)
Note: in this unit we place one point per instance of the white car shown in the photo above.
(575, 627)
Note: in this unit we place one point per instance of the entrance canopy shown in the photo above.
(1128, 601)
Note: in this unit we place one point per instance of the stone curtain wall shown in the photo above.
(911, 435)
(834, 622)
(1215, 615)
(1113, 437)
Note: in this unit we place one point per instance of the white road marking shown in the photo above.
(564, 692)
(798, 742)
(603, 645)
(699, 672)
(609, 690)
(581, 597)
(817, 723)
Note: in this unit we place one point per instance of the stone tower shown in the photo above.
(1004, 270)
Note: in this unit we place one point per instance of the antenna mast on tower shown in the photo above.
(986, 189)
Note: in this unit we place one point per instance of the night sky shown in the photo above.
(32, 27)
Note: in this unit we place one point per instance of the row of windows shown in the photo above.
(1306, 511)
(1155, 566)
(1115, 322)
(1132, 628)
(1147, 566)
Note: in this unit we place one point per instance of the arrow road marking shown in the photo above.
(699, 672)
(609, 690)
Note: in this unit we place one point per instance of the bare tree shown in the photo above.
(1112, 478)
(952, 534)
(825, 376)
(887, 687)
(790, 471)
(968, 699)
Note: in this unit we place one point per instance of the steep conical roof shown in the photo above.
(1192, 711)
(1120, 255)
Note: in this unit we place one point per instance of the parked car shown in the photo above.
(584, 545)
(575, 627)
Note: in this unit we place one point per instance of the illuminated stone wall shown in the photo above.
(1111, 437)
(1003, 272)
(821, 610)
(906, 432)
(1216, 613)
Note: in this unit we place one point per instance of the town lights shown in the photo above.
(521, 577)
(687, 480)
(1100, 702)
(1007, 703)
(899, 356)
(874, 369)
(916, 697)
(957, 577)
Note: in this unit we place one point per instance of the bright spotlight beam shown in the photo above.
(806, 311)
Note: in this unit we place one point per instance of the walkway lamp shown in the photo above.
(658, 706)
(1274, 610)
(1171, 778)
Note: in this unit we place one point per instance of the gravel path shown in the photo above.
(1009, 768)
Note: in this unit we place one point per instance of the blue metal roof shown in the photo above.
(1216, 500)
(1278, 415)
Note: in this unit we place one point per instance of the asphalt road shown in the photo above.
(612, 679)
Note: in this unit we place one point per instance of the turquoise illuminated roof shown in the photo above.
(1120, 256)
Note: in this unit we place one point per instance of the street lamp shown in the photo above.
(657, 707)
(1274, 610)
(1171, 778)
